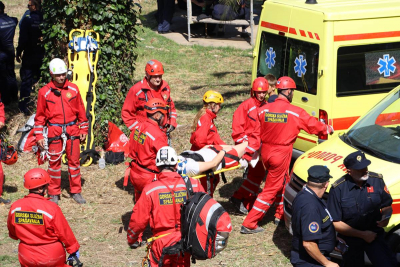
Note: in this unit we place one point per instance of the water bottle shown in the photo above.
(102, 161)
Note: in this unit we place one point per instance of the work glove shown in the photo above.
(71, 256)
(330, 129)
(170, 128)
(243, 163)
(137, 244)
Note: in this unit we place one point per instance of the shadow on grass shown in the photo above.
(282, 240)
(10, 188)
(129, 188)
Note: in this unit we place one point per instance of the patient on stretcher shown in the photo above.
(214, 157)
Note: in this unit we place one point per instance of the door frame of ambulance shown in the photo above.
(284, 50)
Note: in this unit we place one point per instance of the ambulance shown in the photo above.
(377, 134)
(343, 55)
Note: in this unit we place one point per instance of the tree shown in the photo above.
(115, 21)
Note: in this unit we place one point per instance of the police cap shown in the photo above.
(356, 161)
(318, 174)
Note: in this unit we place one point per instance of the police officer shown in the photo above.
(360, 205)
(314, 235)
(40, 225)
(30, 51)
(8, 80)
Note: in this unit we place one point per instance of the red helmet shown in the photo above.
(154, 67)
(260, 85)
(156, 105)
(9, 155)
(35, 178)
(285, 82)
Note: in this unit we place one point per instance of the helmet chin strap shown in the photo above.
(287, 97)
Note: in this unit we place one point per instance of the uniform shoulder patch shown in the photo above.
(375, 175)
(338, 182)
(313, 227)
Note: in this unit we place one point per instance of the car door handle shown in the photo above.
(304, 99)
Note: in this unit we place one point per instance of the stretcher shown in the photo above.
(217, 172)
(82, 61)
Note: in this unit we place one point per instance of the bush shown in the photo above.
(115, 21)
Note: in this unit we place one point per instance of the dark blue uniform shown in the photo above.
(359, 207)
(33, 53)
(8, 80)
(311, 221)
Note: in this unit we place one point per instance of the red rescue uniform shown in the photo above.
(43, 231)
(3, 120)
(156, 206)
(57, 107)
(280, 123)
(244, 124)
(133, 108)
(206, 133)
(145, 141)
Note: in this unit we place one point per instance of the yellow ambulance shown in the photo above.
(343, 55)
(377, 134)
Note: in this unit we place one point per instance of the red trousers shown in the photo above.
(1, 179)
(250, 187)
(170, 260)
(214, 180)
(276, 160)
(139, 179)
(42, 256)
(73, 153)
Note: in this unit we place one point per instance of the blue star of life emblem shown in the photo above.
(300, 66)
(386, 65)
(270, 58)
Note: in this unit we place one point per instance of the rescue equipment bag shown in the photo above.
(114, 157)
(200, 214)
(27, 141)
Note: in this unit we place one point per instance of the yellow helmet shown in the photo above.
(213, 96)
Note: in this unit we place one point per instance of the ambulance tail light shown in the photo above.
(323, 117)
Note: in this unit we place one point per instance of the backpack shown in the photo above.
(27, 142)
(200, 214)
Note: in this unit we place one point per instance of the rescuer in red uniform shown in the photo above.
(2, 123)
(40, 225)
(204, 131)
(243, 127)
(156, 206)
(145, 141)
(280, 123)
(152, 86)
(60, 109)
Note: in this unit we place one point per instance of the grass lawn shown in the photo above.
(100, 225)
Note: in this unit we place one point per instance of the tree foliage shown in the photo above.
(115, 21)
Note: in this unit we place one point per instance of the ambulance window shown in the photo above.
(303, 65)
(367, 69)
(271, 55)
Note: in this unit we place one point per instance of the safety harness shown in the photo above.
(46, 154)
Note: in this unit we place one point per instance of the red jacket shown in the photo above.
(145, 141)
(244, 124)
(138, 95)
(35, 221)
(281, 122)
(155, 206)
(63, 109)
(206, 132)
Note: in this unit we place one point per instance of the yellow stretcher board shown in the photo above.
(83, 64)
(217, 172)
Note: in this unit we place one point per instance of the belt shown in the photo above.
(62, 125)
(143, 167)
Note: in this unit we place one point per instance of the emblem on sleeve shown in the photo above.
(313, 227)
(68, 95)
(386, 190)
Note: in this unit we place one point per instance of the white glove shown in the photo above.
(329, 129)
(243, 163)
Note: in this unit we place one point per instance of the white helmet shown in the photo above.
(166, 156)
(57, 66)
